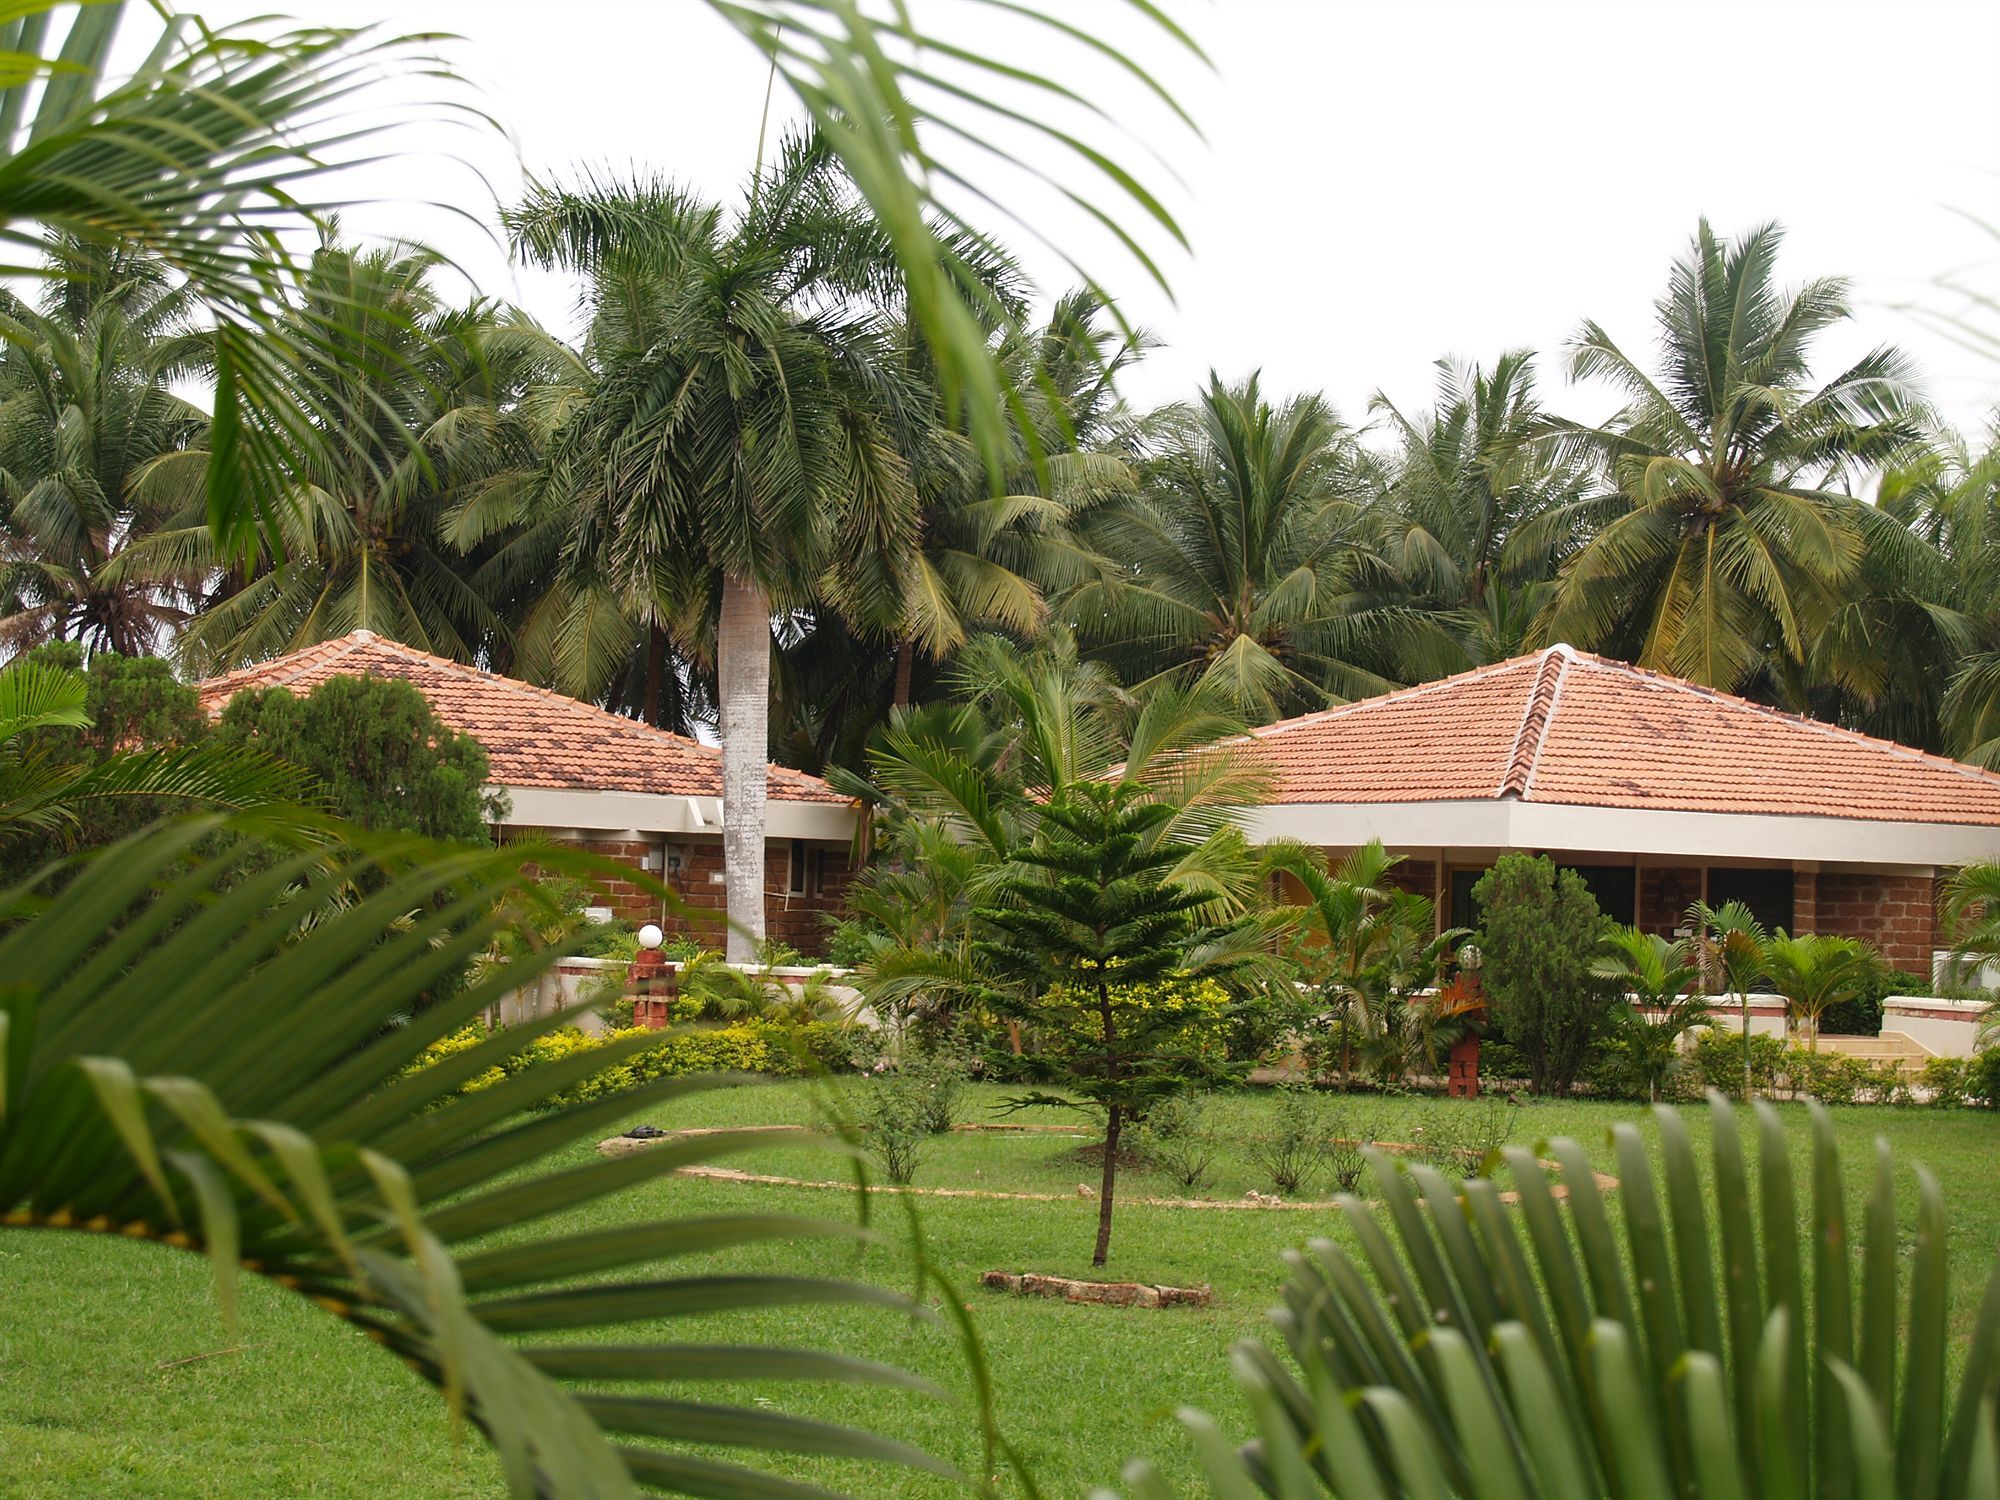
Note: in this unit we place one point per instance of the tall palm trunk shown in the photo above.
(743, 687)
(656, 673)
(906, 663)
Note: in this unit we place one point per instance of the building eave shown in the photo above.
(655, 813)
(1489, 823)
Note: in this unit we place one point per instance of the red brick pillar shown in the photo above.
(650, 984)
(1805, 900)
(1462, 1081)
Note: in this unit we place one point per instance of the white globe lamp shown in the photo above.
(650, 935)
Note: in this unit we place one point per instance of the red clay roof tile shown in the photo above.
(533, 737)
(1563, 726)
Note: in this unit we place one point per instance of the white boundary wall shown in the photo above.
(561, 989)
(1948, 1028)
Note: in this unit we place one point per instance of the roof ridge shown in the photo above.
(342, 646)
(1536, 713)
(1415, 689)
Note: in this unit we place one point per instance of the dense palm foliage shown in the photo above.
(97, 451)
(1730, 1343)
(1243, 554)
(433, 391)
(750, 401)
(298, 1142)
(1737, 535)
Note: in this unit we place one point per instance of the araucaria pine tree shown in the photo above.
(1107, 956)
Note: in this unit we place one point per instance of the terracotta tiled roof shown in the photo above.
(1563, 726)
(533, 737)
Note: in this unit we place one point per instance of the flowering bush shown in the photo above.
(745, 1047)
(1186, 1017)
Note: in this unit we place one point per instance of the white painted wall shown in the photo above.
(1948, 1028)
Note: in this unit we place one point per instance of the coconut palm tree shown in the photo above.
(363, 534)
(1478, 513)
(1245, 556)
(197, 148)
(1663, 984)
(1918, 611)
(1942, 646)
(1738, 526)
(742, 453)
(97, 451)
(982, 561)
(987, 561)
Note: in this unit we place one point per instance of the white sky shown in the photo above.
(1383, 181)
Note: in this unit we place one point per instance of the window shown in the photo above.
(1768, 893)
(1464, 910)
(806, 872)
(1616, 888)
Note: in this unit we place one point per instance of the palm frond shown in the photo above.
(1468, 1349)
(154, 1091)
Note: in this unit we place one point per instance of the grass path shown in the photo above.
(92, 1400)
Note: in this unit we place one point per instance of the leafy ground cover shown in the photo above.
(104, 1387)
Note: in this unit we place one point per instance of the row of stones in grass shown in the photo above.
(620, 1145)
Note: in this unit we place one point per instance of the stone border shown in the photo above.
(1107, 1293)
(619, 1145)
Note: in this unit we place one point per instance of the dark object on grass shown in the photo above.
(644, 1133)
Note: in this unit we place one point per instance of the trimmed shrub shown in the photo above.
(1947, 1079)
(1718, 1058)
(387, 760)
(1983, 1079)
(1539, 930)
(1862, 1016)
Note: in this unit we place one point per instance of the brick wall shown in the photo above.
(1894, 912)
(1665, 893)
(794, 918)
(1413, 874)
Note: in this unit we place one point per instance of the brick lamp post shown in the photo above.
(1463, 993)
(650, 982)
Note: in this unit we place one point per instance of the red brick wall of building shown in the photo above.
(1665, 892)
(1894, 912)
(789, 917)
(1413, 874)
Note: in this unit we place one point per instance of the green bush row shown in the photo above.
(1836, 1077)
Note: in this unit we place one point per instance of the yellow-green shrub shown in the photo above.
(744, 1047)
(1179, 1015)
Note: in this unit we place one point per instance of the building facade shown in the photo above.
(1657, 791)
(638, 795)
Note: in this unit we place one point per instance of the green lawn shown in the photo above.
(101, 1390)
